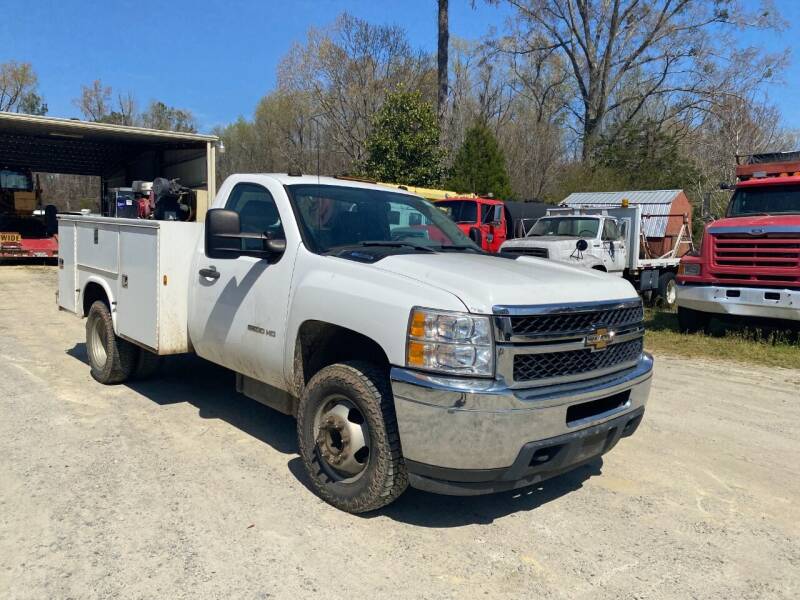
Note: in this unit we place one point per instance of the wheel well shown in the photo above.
(320, 344)
(600, 268)
(91, 294)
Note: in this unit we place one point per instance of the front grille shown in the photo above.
(756, 259)
(569, 322)
(523, 251)
(531, 367)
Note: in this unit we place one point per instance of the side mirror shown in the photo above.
(581, 245)
(476, 236)
(224, 235)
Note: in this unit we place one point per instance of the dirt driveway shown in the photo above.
(180, 488)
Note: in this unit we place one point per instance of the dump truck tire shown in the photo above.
(348, 437)
(112, 359)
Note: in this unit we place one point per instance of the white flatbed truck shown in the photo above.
(400, 366)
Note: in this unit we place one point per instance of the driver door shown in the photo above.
(238, 307)
(614, 251)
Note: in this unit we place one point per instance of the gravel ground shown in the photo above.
(181, 488)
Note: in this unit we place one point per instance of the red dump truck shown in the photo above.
(749, 262)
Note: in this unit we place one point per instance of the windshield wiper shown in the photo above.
(395, 244)
(457, 247)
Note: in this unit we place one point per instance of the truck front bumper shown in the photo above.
(770, 303)
(469, 437)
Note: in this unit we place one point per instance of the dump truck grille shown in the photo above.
(521, 251)
(576, 322)
(531, 367)
(756, 260)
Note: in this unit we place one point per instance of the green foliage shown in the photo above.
(403, 146)
(647, 157)
(641, 157)
(480, 165)
(32, 104)
(160, 116)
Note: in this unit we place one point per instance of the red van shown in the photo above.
(479, 218)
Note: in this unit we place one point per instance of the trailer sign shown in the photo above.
(10, 238)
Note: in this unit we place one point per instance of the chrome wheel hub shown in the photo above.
(342, 438)
(97, 344)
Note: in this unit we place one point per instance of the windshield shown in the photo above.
(770, 200)
(15, 180)
(338, 217)
(460, 211)
(567, 226)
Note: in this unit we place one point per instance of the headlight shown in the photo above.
(450, 342)
(690, 269)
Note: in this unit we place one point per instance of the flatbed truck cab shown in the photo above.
(749, 263)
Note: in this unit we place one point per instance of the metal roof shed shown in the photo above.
(117, 154)
(663, 211)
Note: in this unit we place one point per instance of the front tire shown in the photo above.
(112, 359)
(348, 437)
(692, 321)
(668, 289)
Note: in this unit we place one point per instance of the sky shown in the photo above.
(218, 58)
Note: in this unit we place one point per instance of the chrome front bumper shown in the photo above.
(473, 429)
(770, 303)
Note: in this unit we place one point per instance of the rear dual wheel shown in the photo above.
(111, 358)
(348, 437)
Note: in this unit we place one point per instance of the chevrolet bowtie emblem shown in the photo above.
(599, 339)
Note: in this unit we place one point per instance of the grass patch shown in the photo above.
(763, 345)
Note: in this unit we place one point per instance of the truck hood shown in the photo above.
(764, 223)
(482, 281)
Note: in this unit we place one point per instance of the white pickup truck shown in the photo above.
(406, 358)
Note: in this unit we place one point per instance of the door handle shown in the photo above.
(209, 273)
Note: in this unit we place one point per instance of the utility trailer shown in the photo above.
(104, 257)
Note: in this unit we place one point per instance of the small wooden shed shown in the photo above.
(664, 213)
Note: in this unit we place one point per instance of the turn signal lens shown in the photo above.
(689, 269)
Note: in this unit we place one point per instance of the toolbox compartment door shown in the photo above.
(137, 295)
(67, 272)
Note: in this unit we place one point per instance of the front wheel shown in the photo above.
(348, 437)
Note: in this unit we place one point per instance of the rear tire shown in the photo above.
(147, 364)
(112, 359)
(692, 321)
(668, 290)
(343, 406)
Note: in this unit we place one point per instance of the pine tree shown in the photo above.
(480, 165)
(403, 146)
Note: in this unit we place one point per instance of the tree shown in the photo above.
(646, 156)
(403, 146)
(18, 89)
(96, 104)
(622, 55)
(480, 165)
(346, 71)
(442, 62)
(160, 116)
